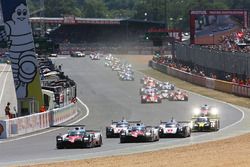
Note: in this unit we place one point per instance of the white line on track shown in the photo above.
(37, 134)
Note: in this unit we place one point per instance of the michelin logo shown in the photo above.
(22, 50)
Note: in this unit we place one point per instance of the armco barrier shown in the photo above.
(223, 86)
(199, 80)
(60, 115)
(22, 125)
(210, 83)
(241, 90)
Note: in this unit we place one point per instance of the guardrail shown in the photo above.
(220, 85)
(35, 122)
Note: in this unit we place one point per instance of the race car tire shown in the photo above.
(100, 142)
(59, 146)
(122, 140)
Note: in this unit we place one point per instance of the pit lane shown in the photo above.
(108, 99)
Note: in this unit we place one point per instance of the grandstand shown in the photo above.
(101, 33)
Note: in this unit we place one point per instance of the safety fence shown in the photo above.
(26, 124)
(224, 86)
(230, 62)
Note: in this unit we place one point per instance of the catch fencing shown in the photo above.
(230, 62)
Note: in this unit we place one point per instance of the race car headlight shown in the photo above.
(148, 133)
(59, 139)
(86, 138)
(214, 111)
(196, 111)
(123, 133)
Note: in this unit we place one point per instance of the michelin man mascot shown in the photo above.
(22, 50)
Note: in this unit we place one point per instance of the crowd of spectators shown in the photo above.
(201, 71)
(234, 42)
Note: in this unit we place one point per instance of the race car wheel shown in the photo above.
(123, 140)
(59, 146)
(100, 142)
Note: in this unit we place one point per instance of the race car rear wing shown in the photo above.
(180, 122)
(115, 122)
(65, 126)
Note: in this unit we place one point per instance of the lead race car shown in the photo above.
(117, 126)
(205, 119)
(79, 137)
(139, 133)
(175, 128)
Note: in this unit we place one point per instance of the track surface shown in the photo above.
(109, 99)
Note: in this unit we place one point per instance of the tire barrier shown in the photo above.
(211, 83)
(31, 123)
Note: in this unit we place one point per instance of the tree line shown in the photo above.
(174, 12)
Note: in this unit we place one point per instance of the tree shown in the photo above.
(94, 9)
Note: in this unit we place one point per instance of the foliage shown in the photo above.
(157, 10)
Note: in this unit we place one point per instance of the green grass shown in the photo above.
(230, 98)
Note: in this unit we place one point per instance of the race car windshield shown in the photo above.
(202, 119)
(122, 125)
(170, 125)
(76, 133)
(138, 128)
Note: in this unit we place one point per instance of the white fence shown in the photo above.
(35, 122)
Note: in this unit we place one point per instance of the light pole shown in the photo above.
(146, 14)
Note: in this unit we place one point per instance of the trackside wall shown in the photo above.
(35, 122)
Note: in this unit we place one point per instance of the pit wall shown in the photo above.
(215, 84)
(31, 123)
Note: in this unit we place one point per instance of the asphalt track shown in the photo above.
(108, 98)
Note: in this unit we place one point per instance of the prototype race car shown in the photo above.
(77, 54)
(166, 86)
(146, 90)
(79, 137)
(151, 98)
(139, 133)
(116, 127)
(204, 123)
(174, 128)
(206, 110)
(126, 77)
(165, 94)
(178, 96)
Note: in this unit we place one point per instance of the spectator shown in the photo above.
(7, 110)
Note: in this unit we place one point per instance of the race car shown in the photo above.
(126, 77)
(165, 94)
(178, 96)
(77, 54)
(151, 98)
(139, 133)
(116, 127)
(175, 128)
(79, 137)
(206, 110)
(204, 123)
(147, 90)
(166, 86)
(95, 56)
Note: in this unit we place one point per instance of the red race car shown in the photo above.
(178, 96)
